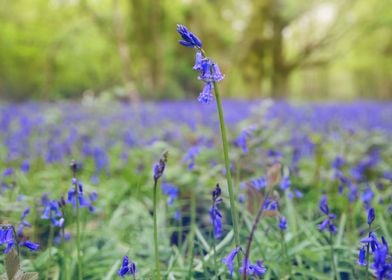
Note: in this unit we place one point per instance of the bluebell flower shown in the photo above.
(171, 191)
(338, 162)
(362, 257)
(190, 156)
(367, 196)
(7, 238)
(282, 223)
(271, 205)
(52, 212)
(30, 245)
(371, 240)
(323, 205)
(285, 183)
(206, 94)
(127, 268)
(242, 139)
(259, 183)
(188, 38)
(258, 269)
(198, 60)
(25, 166)
(229, 260)
(371, 216)
(159, 167)
(8, 172)
(23, 222)
(327, 224)
(215, 214)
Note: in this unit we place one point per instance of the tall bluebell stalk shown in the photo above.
(74, 168)
(273, 175)
(216, 220)
(50, 243)
(328, 225)
(65, 269)
(210, 74)
(282, 229)
(159, 168)
(370, 218)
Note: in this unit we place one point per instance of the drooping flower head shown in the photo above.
(127, 268)
(188, 38)
(215, 214)
(362, 257)
(209, 72)
(327, 224)
(229, 260)
(282, 223)
(371, 216)
(159, 167)
(258, 269)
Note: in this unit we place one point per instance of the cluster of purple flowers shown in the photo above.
(8, 239)
(215, 214)
(327, 224)
(127, 268)
(257, 269)
(76, 193)
(382, 263)
(209, 71)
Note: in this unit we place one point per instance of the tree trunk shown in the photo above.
(123, 51)
(280, 72)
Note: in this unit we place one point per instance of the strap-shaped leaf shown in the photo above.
(11, 263)
(26, 276)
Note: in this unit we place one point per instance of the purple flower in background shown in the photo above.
(282, 223)
(229, 260)
(338, 162)
(23, 222)
(242, 139)
(127, 268)
(323, 205)
(25, 166)
(327, 224)
(30, 245)
(285, 183)
(188, 38)
(8, 172)
(371, 216)
(190, 156)
(259, 183)
(362, 257)
(171, 191)
(258, 269)
(367, 196)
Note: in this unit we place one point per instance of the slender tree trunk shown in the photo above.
(123, 51)
(280, 73)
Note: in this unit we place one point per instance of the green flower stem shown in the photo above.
(191, 235)
(335, 272)
(367, 255)
(64, 270)
(225, 145)
(79, 256)
(156, 252)
(285, 253)
(50, 242)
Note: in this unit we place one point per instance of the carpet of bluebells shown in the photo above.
(329, 214)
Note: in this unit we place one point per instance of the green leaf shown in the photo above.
(26, 276)
(11, 263)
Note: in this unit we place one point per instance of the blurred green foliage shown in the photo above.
(52, 49)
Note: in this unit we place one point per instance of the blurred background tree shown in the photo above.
(127, 49)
